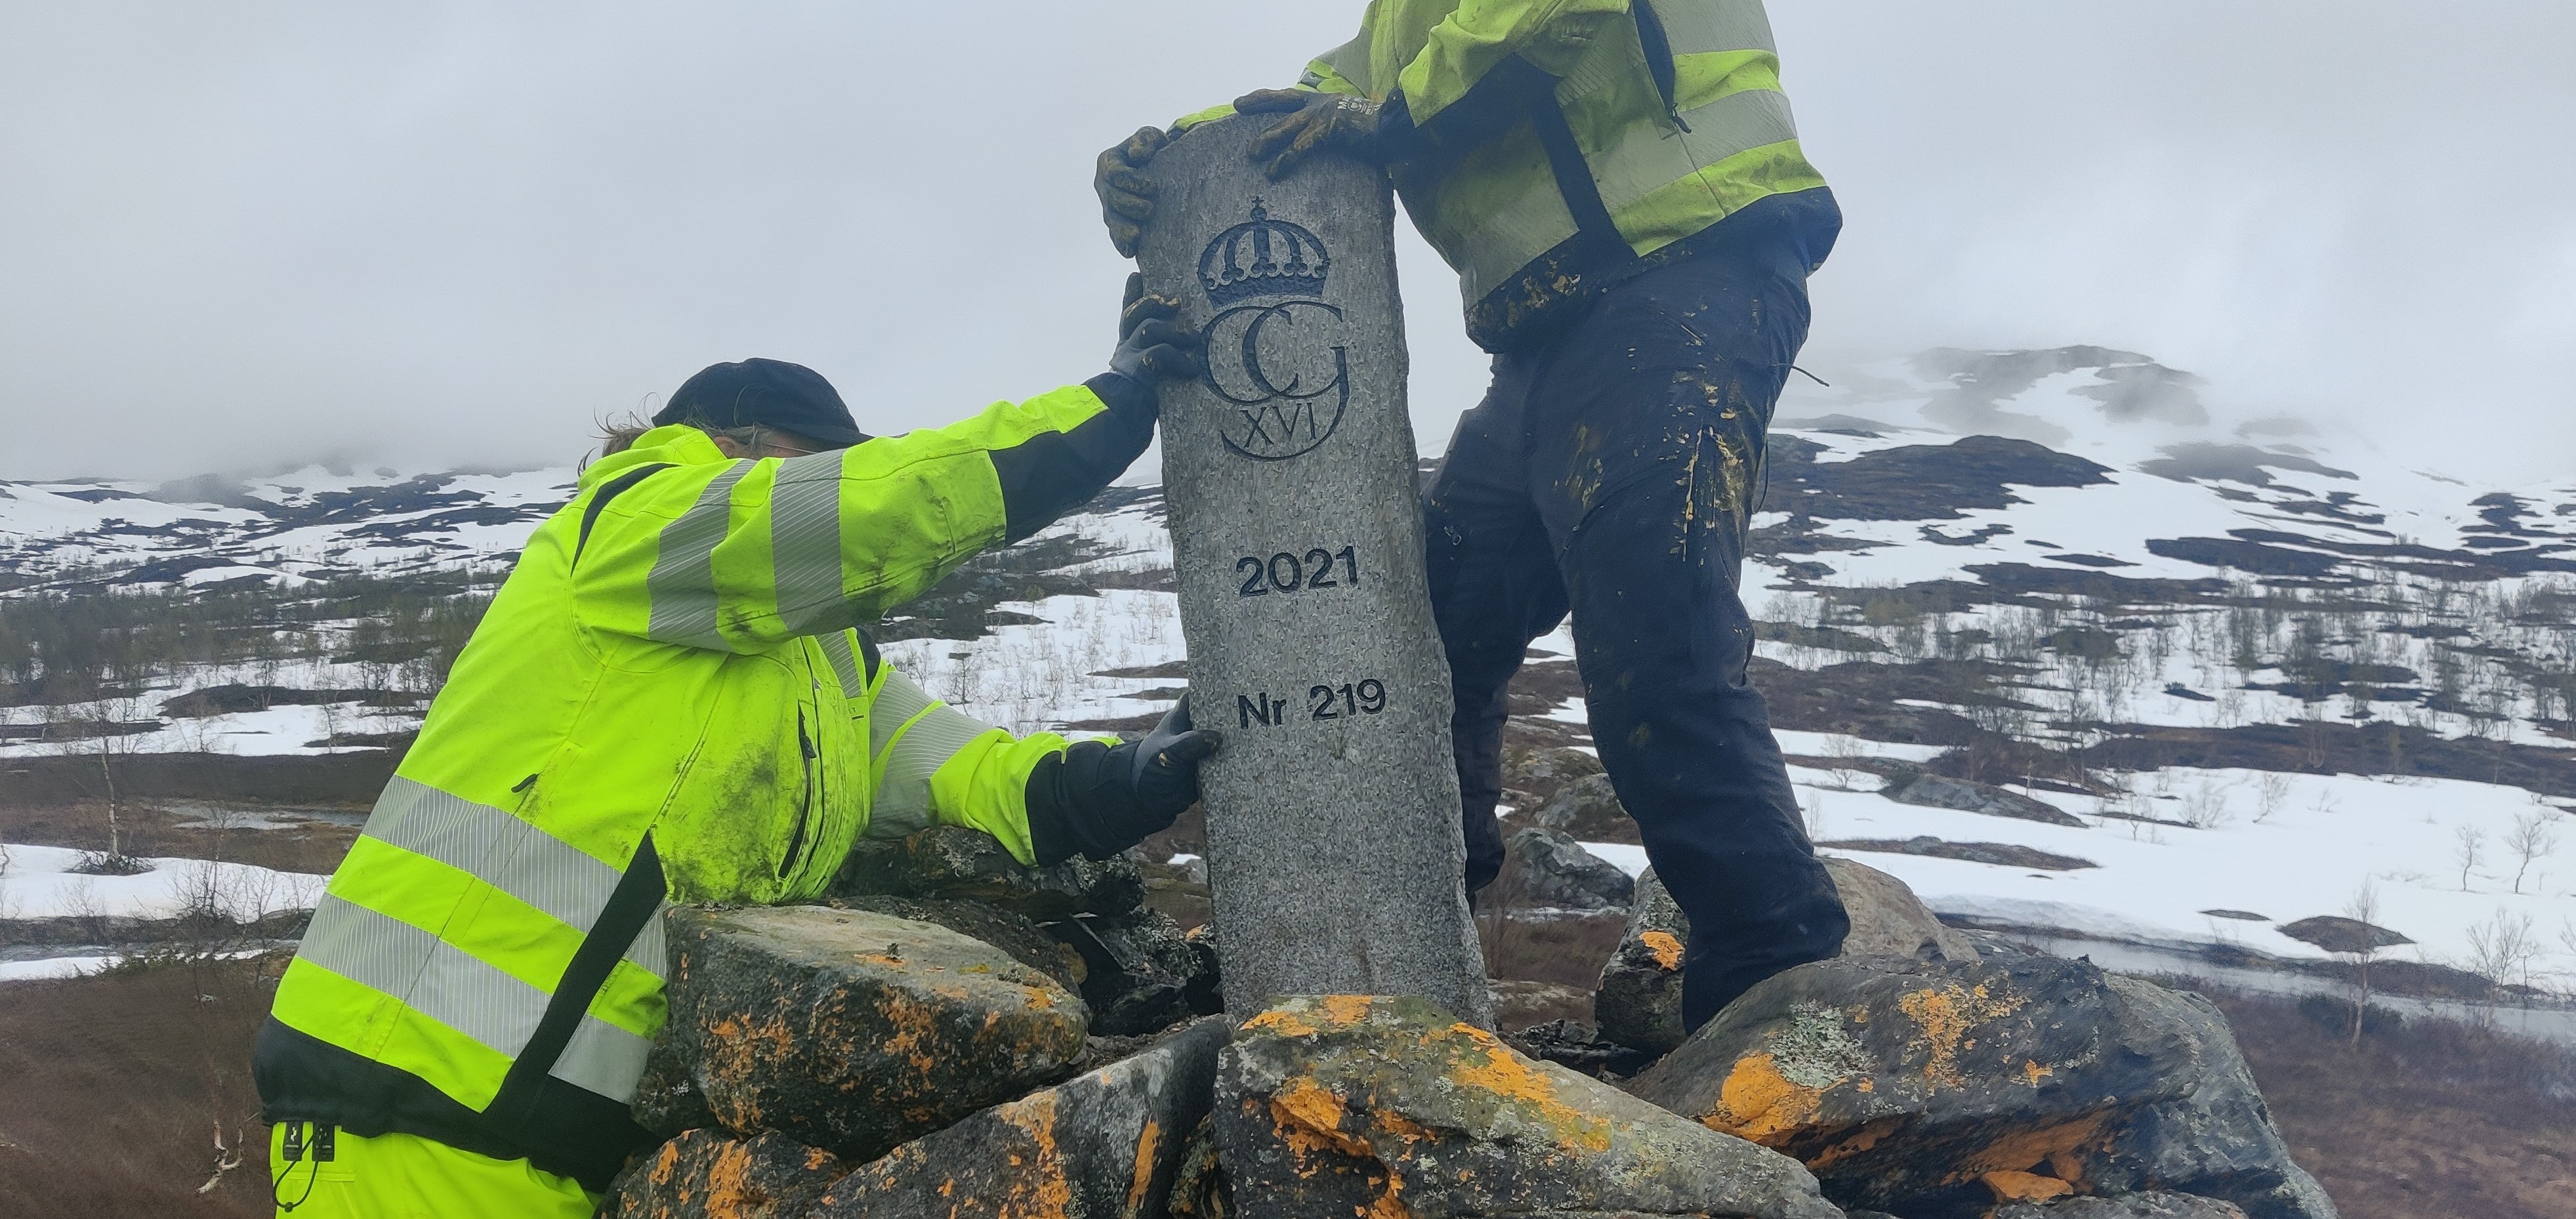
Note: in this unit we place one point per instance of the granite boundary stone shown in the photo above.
(1335, 854)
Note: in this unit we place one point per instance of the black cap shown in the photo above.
(764, 393)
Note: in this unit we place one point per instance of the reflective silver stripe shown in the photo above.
(682, 584)
(1351, 59)
(1512, 235)
(430, 976)
(1650, 156)
(507, 853)
(511, 855)
(845, 664)
(912, 754)
(650, 952)
(602, 1058)
(805, 543)
(1693, 26)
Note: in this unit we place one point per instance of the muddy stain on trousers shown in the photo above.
(1611, 470)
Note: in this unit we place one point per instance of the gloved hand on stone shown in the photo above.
(1315, 121)
(1126, 192)
(1152, 348)
(1098, 800)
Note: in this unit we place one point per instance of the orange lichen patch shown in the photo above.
(817, 1159)
(1666, 947)
(2032, 1072)
(913, 1025)
(1282, 1021)
(1513, 1078)
(2067, 1167)
(1309, 1119)
(1347, 1009)
(1144, 1173)
(1866, 1085)
(2010, 1186)
(665, 1163)
(1757, 1102)
(1946, 1014)
(1388, 1205)
(1044, 1191)
(730, 1189)
(2023, 1150)
(1400, 1126)
(1849, 1143)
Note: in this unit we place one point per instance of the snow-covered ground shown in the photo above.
(2462, 587)
(38, 882)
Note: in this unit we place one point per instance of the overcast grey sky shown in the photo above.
(236, 234)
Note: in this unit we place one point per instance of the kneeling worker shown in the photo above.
(669, 701)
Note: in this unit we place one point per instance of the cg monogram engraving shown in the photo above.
(1276, 417)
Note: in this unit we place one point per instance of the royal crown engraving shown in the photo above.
(1287, 383)
(1263, 257)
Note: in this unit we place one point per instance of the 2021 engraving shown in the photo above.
(1288, 571)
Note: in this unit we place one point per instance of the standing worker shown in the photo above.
(1620, 189)
(668, 701)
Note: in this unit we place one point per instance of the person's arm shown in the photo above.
(744, 555)
(1481, 35)
(1043, 797)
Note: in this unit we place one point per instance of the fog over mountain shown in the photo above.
(240, 237)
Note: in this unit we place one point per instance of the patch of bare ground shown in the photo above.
(146, 829)
(2428, 1118)
(118, 1085)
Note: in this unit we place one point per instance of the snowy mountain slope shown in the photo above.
(305, 524)
(2263, 664)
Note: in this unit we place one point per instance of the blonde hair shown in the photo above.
(618, 435)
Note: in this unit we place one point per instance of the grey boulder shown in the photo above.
(1639, 1000)
(1934, 1089)
(1351, 1105)
(1106, 1143)
(850, 1030)
(951, 861)
(706, 1174)
(1548, 869)
(1940, 791)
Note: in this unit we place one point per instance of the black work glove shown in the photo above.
(1317, 121)
(1152, 348)
(1126, 193)
(1098, 800)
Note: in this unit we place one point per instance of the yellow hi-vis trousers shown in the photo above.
(402, 1176)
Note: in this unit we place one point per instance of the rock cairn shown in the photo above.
(937, 1040)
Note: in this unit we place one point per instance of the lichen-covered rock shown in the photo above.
(1106, 1144)
(954, 861)
(1141, 973)
(705, 1174)
(1349, 1105)
(1940, 791)
(1936, 1089)
(1587, 807)
(1010, 931)
(1887, 920)
(1639, 1001)
(1549, 869)
(2130, 1206)
(855, 1031)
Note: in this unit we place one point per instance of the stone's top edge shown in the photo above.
(829, 935)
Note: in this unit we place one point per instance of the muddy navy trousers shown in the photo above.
(1609, 470)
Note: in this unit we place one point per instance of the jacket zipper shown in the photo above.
(805, 803)
(1660, 63)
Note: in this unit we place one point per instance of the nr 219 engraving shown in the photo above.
(1323, 702)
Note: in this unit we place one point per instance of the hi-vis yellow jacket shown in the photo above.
(666, 701)
(1561, 141)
